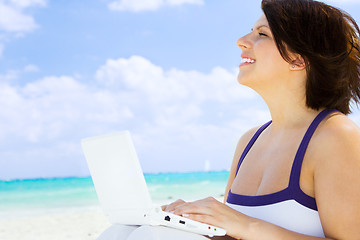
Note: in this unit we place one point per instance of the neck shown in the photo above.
(287, 116)
(288, 108)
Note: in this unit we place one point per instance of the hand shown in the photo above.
(213, 212)
(172, 206)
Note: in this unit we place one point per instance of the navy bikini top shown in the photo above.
(293, 191)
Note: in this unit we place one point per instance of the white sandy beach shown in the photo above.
(71, 224)
(68, 208)
(79, 224)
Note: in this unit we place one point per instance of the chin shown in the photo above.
(243, 80)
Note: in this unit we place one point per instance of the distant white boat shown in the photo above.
(207, 166)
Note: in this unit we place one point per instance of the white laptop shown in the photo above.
(121, 188)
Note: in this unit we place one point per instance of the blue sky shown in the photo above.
(163, 69)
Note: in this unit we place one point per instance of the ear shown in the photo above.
(297, 64)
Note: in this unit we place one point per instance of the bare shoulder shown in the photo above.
(338, 135)
(337, 142)
(341, 126)
(336, 176)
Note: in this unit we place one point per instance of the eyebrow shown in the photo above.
(258, 27)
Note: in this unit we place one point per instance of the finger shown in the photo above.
(207, 206)
(203, 218)
(172, 206)
(209, 200)
(163, 207)
(192, 209)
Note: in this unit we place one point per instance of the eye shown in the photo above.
(262, 34)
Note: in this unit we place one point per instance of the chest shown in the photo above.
(267, 166)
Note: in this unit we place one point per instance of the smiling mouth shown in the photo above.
(247, 61)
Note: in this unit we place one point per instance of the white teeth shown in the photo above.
(247, 60)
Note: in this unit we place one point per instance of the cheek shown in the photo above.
(266, 50)
(269, 70)
(270, 67)
(273, 65)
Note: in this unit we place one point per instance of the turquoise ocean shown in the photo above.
(22, 198)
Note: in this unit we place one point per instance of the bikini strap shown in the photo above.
(249, 145)
(299, 157)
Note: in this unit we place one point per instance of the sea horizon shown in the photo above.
(86, 176)
(28, 197)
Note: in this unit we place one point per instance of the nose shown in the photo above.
(243, 42)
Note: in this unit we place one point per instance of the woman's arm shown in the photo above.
(337, 179)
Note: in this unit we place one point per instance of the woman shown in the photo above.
(297, 176)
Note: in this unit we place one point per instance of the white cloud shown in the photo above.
(54, 107)
(180, 2)
(174, 85)
(57, 105)
(179, 119)
(13, 20)
(172, 113)
(31, 68)
(135, 5)
(10, 76)
(175, 101)
(1, 49)
(186, 109)
(147, 5)
(27, 3)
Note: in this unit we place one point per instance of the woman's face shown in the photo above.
(262, 65)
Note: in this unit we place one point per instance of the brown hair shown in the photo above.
(328, 40)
